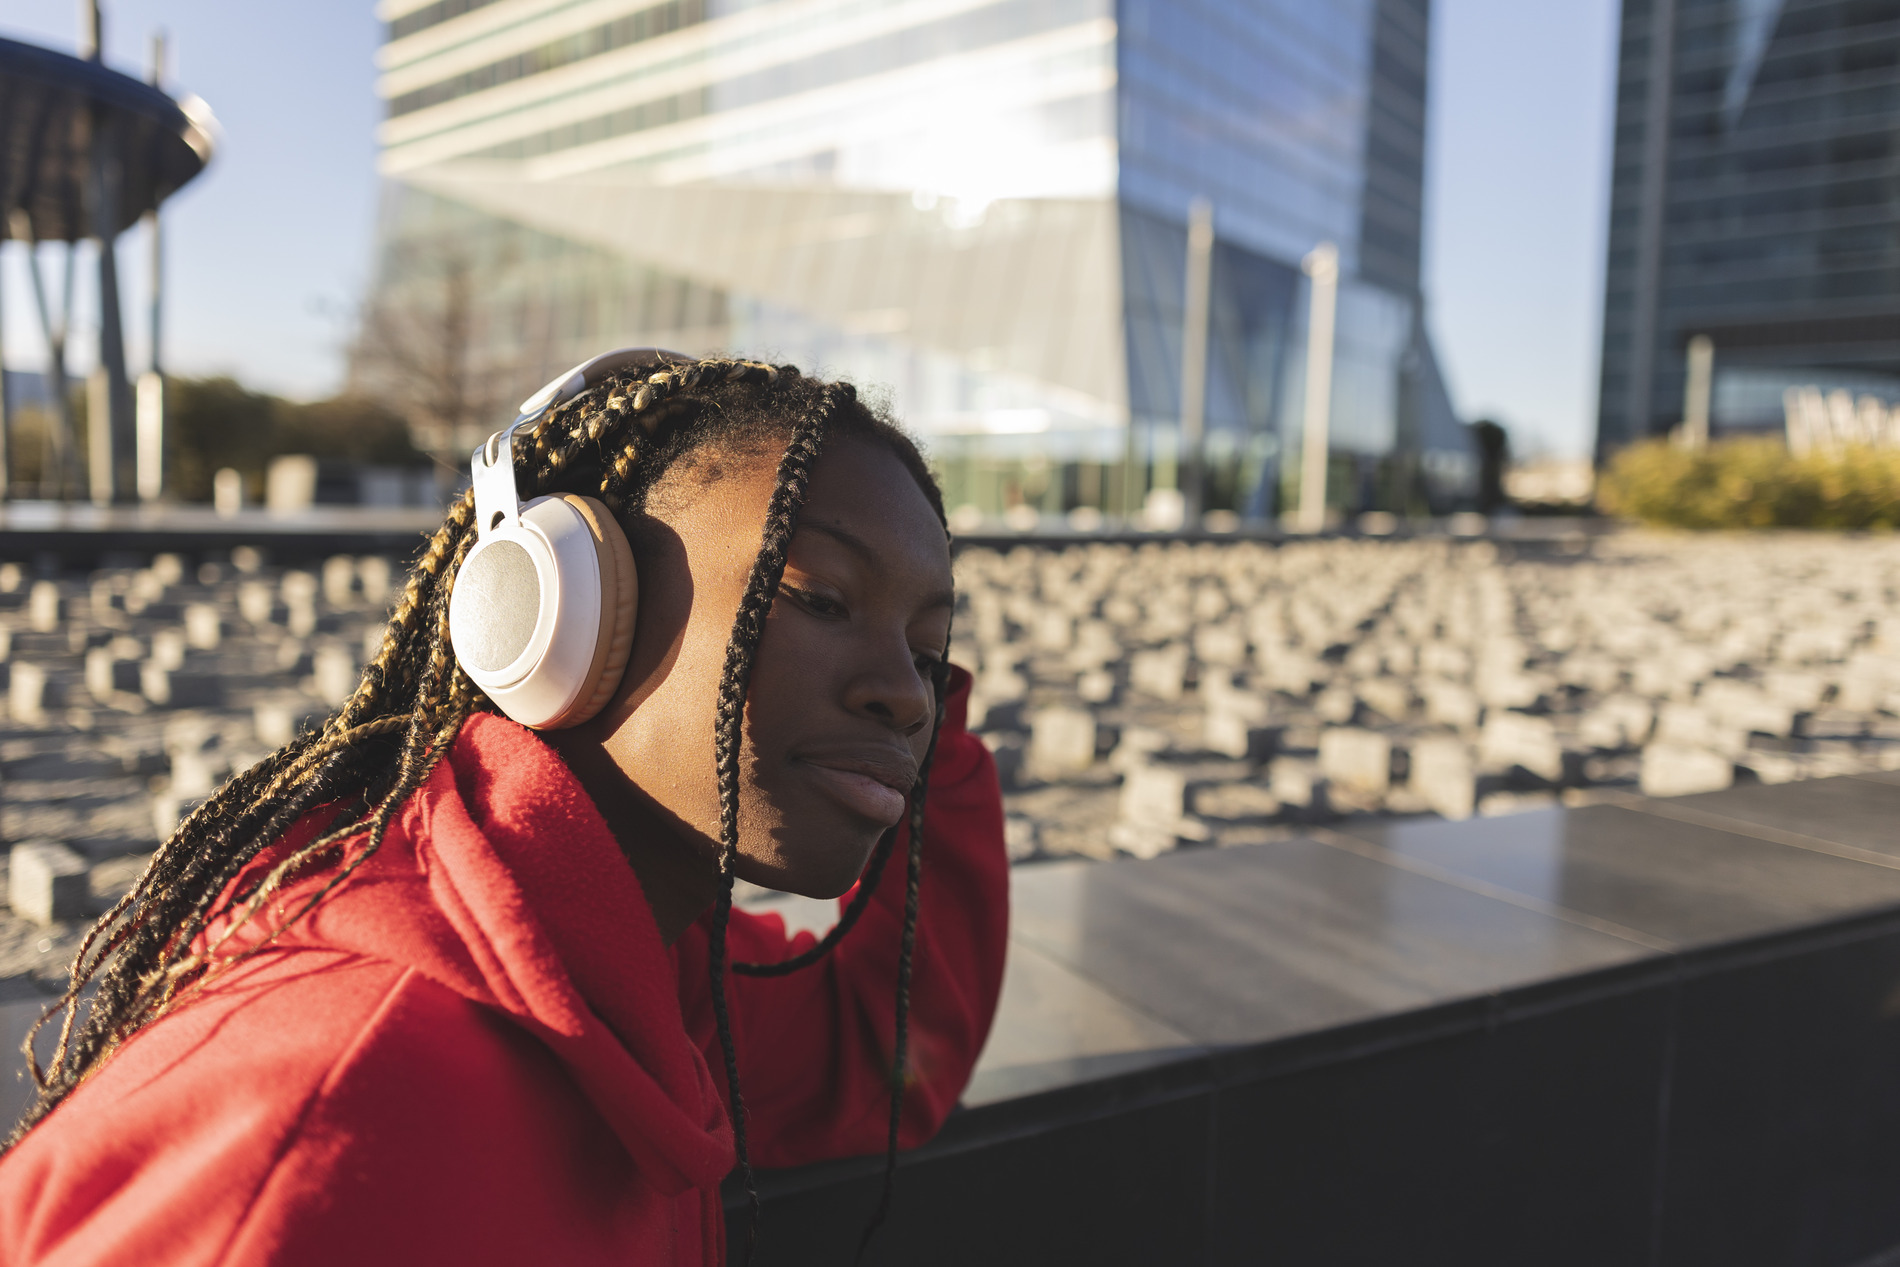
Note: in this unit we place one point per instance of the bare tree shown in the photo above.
(423, 349)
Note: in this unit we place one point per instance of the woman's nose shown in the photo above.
(894, 691)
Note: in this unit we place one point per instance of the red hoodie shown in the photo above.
(478, 1050)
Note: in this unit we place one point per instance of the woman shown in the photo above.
(427, 985)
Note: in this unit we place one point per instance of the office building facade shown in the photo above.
(1756, 168)
(978, 207)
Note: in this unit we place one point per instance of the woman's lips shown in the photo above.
(859, 792)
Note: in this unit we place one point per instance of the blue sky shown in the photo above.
(268, 251)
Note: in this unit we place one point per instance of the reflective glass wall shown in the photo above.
(976, 207)
(1755, 200)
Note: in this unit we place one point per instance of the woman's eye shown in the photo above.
(817, 604)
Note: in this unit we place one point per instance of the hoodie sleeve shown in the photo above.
(815, 1047)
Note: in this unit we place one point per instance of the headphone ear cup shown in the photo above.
(619, 605)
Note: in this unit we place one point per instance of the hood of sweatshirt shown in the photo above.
(501, 881)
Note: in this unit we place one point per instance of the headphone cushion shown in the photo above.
(619, 605)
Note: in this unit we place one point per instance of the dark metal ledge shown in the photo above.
(1659, 1032)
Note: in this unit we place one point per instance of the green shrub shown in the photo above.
(1753, 482)
(215, 422)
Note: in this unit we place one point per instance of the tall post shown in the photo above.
(1194, 319)
(1695, 393)
(6, 403)
(57, 453)
(149, 422)
(92, 31)
(1322, 266)
(109, 403)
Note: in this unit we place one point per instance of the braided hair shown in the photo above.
(157, 947)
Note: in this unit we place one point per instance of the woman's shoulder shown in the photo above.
(296, 1072)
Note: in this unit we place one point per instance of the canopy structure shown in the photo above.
(85, 152)
(55, 110)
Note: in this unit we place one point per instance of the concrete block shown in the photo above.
(1097, 686)
(1359, 760)
(1450, 704)
(1231, 733)
(168, 648)
(1052, 631)
(1336, 705)
(1621, 721)
(256, 603)
(373, 574)
(47, 882)
(277, 721)
(1746, 708)
(42, 607)
(204, 627)
(108, 673)
(168, 810)
(1800, 690)
(1501, 687)
(180, 688)
(27, 694)
(1223, 644)
(1235, 802)
(1161, 673)
(298, 586)
(1282, 669)
(1516, 739)
(1671, 770)
(1684, 725)
(334, 674)
(1154, 795)
(1442, 659)
(1095, 645)
(339, 580)
(1444, 776)
(1295, 781)
(196, 772)
(1386, 696)
(1135, 746)
(1061, 741)
(1019, 837)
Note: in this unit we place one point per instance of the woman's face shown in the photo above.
(840, 706)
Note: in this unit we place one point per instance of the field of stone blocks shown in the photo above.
(1144, 698)
(1138, 698)
(131, 692)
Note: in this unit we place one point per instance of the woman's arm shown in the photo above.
(815, 1046)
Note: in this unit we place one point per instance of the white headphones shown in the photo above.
(543, 608)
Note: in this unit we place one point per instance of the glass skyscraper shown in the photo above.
(979, 205)
(1755, 201)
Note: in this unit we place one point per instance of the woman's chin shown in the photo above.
(820, 870)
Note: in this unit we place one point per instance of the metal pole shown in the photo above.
(109, 407)
(92, 31)
(149, 422)
(1322, 265)
(1695, 393)
(6, 413)
(57, 451)
(1194, 316)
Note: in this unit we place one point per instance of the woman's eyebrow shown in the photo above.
(858, 545)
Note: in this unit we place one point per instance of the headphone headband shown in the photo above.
(496, 498)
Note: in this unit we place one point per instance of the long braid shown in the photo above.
(748, 628)
(906, 947)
